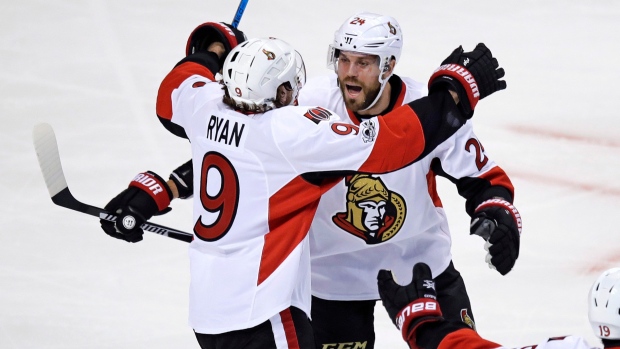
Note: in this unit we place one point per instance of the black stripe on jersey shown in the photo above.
(475, 190)
(440, 118)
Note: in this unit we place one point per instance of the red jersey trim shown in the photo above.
(289, 329)
(401, 125)
(172, 81)
(497, 177)
(401, 96)
(431, 181)
(288, 228)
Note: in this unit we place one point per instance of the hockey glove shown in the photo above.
(147, 195)
(210, 32)
(412, 305)
(472, 75)
(499, 223)
(183, 177)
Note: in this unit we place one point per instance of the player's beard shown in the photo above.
(367, 95)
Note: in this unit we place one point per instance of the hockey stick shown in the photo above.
(49, 160)
(239, 13)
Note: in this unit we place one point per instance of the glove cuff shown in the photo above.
(227, 34)
(152, 184)
(463, 76)
(498, 202)
(416, 313)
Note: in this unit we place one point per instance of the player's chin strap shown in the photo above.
(383, 82)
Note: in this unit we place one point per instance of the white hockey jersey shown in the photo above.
(252, 209)
(389, 221)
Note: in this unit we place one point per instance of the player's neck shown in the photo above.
(382, 103)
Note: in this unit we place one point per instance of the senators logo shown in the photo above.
(374, 214)
(467, 319)
(318, 114)
(392, 28)
(270, 55)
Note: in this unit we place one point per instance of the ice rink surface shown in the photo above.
(92, 68)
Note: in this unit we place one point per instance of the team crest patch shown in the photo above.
(392, 28)
(467, 319)
(318, 114)
(374, 213)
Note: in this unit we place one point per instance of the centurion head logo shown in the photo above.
(374, 213)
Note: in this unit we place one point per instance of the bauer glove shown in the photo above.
(147, 195)
(412, 305)
(472, 75)
(498, 222)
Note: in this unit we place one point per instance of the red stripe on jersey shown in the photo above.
(291, 211)
(401, 96)
(399, 142)
(497, 176)
(466, 339)
(289, 329)
(353, 117)
(172, 81)
(431, 181)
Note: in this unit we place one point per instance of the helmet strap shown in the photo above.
(383, 82)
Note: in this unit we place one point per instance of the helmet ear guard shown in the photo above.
(604, 305)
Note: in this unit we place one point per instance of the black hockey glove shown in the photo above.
(472, 75)
(210, 32)
(499, 223)
(147, 195)
(412, 305)
(183, 177)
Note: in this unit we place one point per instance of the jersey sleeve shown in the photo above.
(378, 145)
(203, 65)
(462, 159)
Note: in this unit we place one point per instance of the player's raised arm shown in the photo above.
(470, 75)
(207, 47)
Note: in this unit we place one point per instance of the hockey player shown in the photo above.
(408, 224)
(258, 181)
(417, 314)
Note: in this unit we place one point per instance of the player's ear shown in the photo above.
(389, 68)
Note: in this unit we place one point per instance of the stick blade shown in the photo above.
(46, 148)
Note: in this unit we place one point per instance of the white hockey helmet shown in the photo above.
(604, 305)
(368, 33)
(254, 70)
